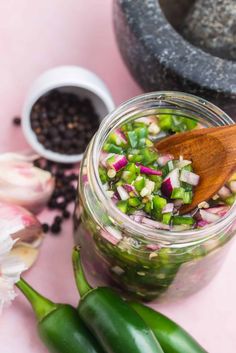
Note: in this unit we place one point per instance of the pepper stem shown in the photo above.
(80, 279)
(41, 305)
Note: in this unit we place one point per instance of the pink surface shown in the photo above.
(37, 35)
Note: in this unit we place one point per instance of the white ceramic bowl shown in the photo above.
(72, 79)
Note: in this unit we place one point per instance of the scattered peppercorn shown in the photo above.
(55, 228)
(58, 219)
(17, 121)
(66, 214)
(64, 192)
(45, 227)
(65, 174)
(63, 117)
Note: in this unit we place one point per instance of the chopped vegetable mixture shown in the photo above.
(151, 188)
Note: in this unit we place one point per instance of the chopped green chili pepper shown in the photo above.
(179, 220)
(148, 156)
(111, 320)
(165, 122)
(230, 200)
(134, 202)
(148, 207)
(123, 206)
(188, 167)
(139, 183)
(166, 218)
(111, 148)
(159, 202)
(133, 138)
(187, 197)
(177, 193)
(103, 175)
(141, 132)
(172, 337)
(134, 155)
(59, 326)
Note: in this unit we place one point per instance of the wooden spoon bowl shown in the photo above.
(213, 155)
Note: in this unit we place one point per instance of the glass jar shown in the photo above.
(146, 263)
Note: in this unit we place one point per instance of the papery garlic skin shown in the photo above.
(25, 232)
(23, 184)
(11, 268)
(6, 244)
(7, 293)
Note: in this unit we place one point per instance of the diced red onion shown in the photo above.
(155, 224)
(123, 193)
(202, 223)
(169, 208)
(119, 163)
(111, 234)
(129, 188)
(170, 182)
(121, 136)
(189, 177)
(232, 185)
(153, 247)
(224, 192)
(114, 199)
(219, 210)
(208, 216)
(163, 160)
(103, 158)
(138, 216)
(148, 171)
(116, 195)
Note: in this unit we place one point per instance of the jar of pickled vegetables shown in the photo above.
(131, 233)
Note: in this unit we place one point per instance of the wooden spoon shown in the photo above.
(213, 155)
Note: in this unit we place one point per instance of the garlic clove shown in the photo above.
(26, 253)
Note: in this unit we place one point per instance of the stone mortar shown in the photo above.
(159, 58)
(211, 25)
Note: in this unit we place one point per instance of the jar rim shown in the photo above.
(151, 234)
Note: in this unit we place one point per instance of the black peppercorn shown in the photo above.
(17, 120)
(45, 227)
(63, 123)
(55, 228)
(58, 219)
(66, 214)
(64, 193)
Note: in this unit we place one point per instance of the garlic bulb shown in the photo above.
(21, 183)
(20, 233)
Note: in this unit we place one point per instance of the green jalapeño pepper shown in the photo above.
(117, 327)
(172, 337)
(59, 326)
